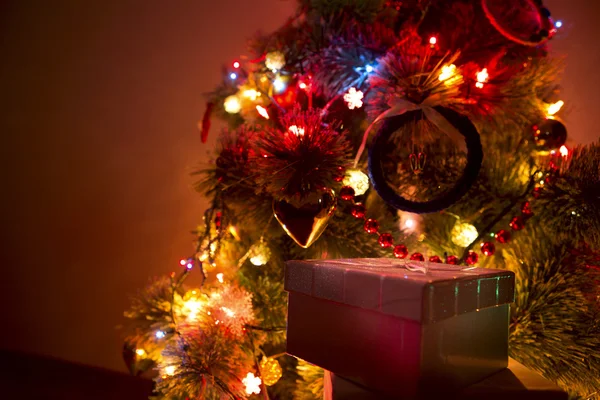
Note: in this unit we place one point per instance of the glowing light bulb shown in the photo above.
(169, 370)
(564, 151)
(232, 104)
(409, 223)
(482, 77)
(192, 306)
(263, 112)
(298, 131)
(220, 277)
(140, 352)
(369, 69)
(160, 334)
(463, 234)
(279, 85)
(252, 383)
(554, 108)
(447, 74)
(357, 180)
(228, 312)
(233, 76)
(182, 262)
(302, 85)
(433, 40)
(236, 64)
(354, 98)
(558, 24)
(251, 94)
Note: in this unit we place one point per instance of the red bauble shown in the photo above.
(371, 226)
(417, 257)
(287, 98)
(452, 260)
(386, 240)
(526, 210)
(435, 259)
(537, 192)
(472, 258)
(517, 223)
(488, 248)
(400, 251)
(347, 193)
(358, 210)
(503, 236)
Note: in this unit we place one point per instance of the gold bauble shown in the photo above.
(463, 234)
(270, 371)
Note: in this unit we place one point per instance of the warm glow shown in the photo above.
(448, 74)
(232, 104)
(140, 352)
(251, 94)
(554, 108)
(160, 334)
(564, 151)
(302, 86)
(169, 370)
(463, 234)
(191, 307)
(259, 259)
(357, 180)
(482, 77)
(298, 131)
(220, 277)
(409, 223)
(279, 85)
(252, 383)
(432, 40)
(228, 312)
(354, 98)
(234, 232)
(263, 112)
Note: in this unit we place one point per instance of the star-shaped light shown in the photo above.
(354, 98)
(252, 383)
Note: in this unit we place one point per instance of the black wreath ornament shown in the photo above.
(474, 159)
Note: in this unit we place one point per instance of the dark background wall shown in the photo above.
(99, 105)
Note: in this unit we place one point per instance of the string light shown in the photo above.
(263, 112)
(252, 383)
(169, 370)
(448, 75)
(279, 85)
(160, 334)
(357, 180)
(251, 94)
(232, 104)
(140, 352)
(482, 77)
(564, 151)
(192, 305)
(233, 76)
(558, 24)
(236, 64)
(554, 108)
(220, 277)
(433, 41)
(463, 234)
(298, 131)
(302, 85)
(354, 98)
(369, 69)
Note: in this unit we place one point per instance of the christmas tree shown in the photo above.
(426, 130)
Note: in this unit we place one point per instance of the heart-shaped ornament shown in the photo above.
(306, 223)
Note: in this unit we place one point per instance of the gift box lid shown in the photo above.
(420, 291)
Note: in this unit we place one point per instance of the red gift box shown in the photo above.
(400, 328)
